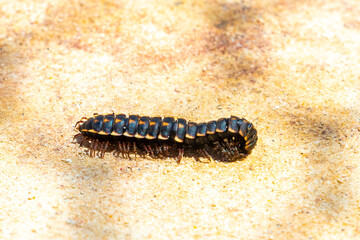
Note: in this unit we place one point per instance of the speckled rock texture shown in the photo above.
(290, 67)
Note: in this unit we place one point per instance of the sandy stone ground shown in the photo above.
(290, 67)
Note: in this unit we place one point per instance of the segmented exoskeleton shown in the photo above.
(226, 139)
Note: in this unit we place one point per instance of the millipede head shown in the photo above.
(81, 121)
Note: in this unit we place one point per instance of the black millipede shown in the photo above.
(226, 139)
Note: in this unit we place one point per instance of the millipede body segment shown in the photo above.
(226, 139)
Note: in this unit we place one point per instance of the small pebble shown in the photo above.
(68, 160)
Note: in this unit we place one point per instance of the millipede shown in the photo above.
(225, 139)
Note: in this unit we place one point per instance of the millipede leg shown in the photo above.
(226, 149)
(76, 136)
(91, 147)
(152, 152)
(149, 150)
(99, 149)
(141, 149)
(162, 149)
(205, 154)
(166, 149)
(124, 149)
(96, 145)
(222, 144)
(158, 149)
(120, 149)
(83, 141)
(104, 147)
(181, 154)
(128, 149)
(135, 149)
(117, 151)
